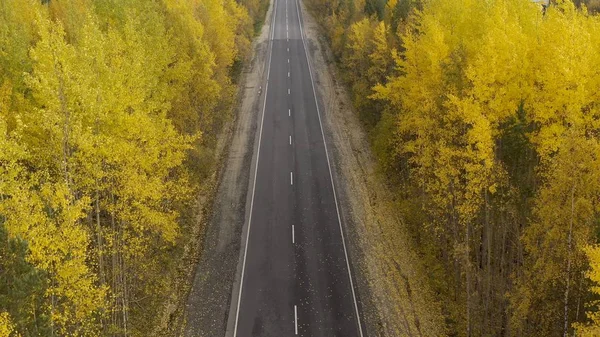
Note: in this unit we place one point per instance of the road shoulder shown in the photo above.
(217, 273)
(391, 284)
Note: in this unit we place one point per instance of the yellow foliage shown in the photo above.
(98, 132)
(7, 328)
(468, 68)
(487, 118)
(593, 328)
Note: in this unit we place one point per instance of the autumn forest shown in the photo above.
(109, 112)
(484, 117)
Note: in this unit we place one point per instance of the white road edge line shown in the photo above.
(293, 235)
(330, 174)
(237, 313)
(296, 319)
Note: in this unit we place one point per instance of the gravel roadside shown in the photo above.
(208, 303)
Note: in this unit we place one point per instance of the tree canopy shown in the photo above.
(108, 115)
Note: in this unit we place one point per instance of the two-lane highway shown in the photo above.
(295, 275)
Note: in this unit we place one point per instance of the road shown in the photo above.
(295, 276)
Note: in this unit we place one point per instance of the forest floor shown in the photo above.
(391, 280)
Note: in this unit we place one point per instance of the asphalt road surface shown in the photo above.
(295, 278)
